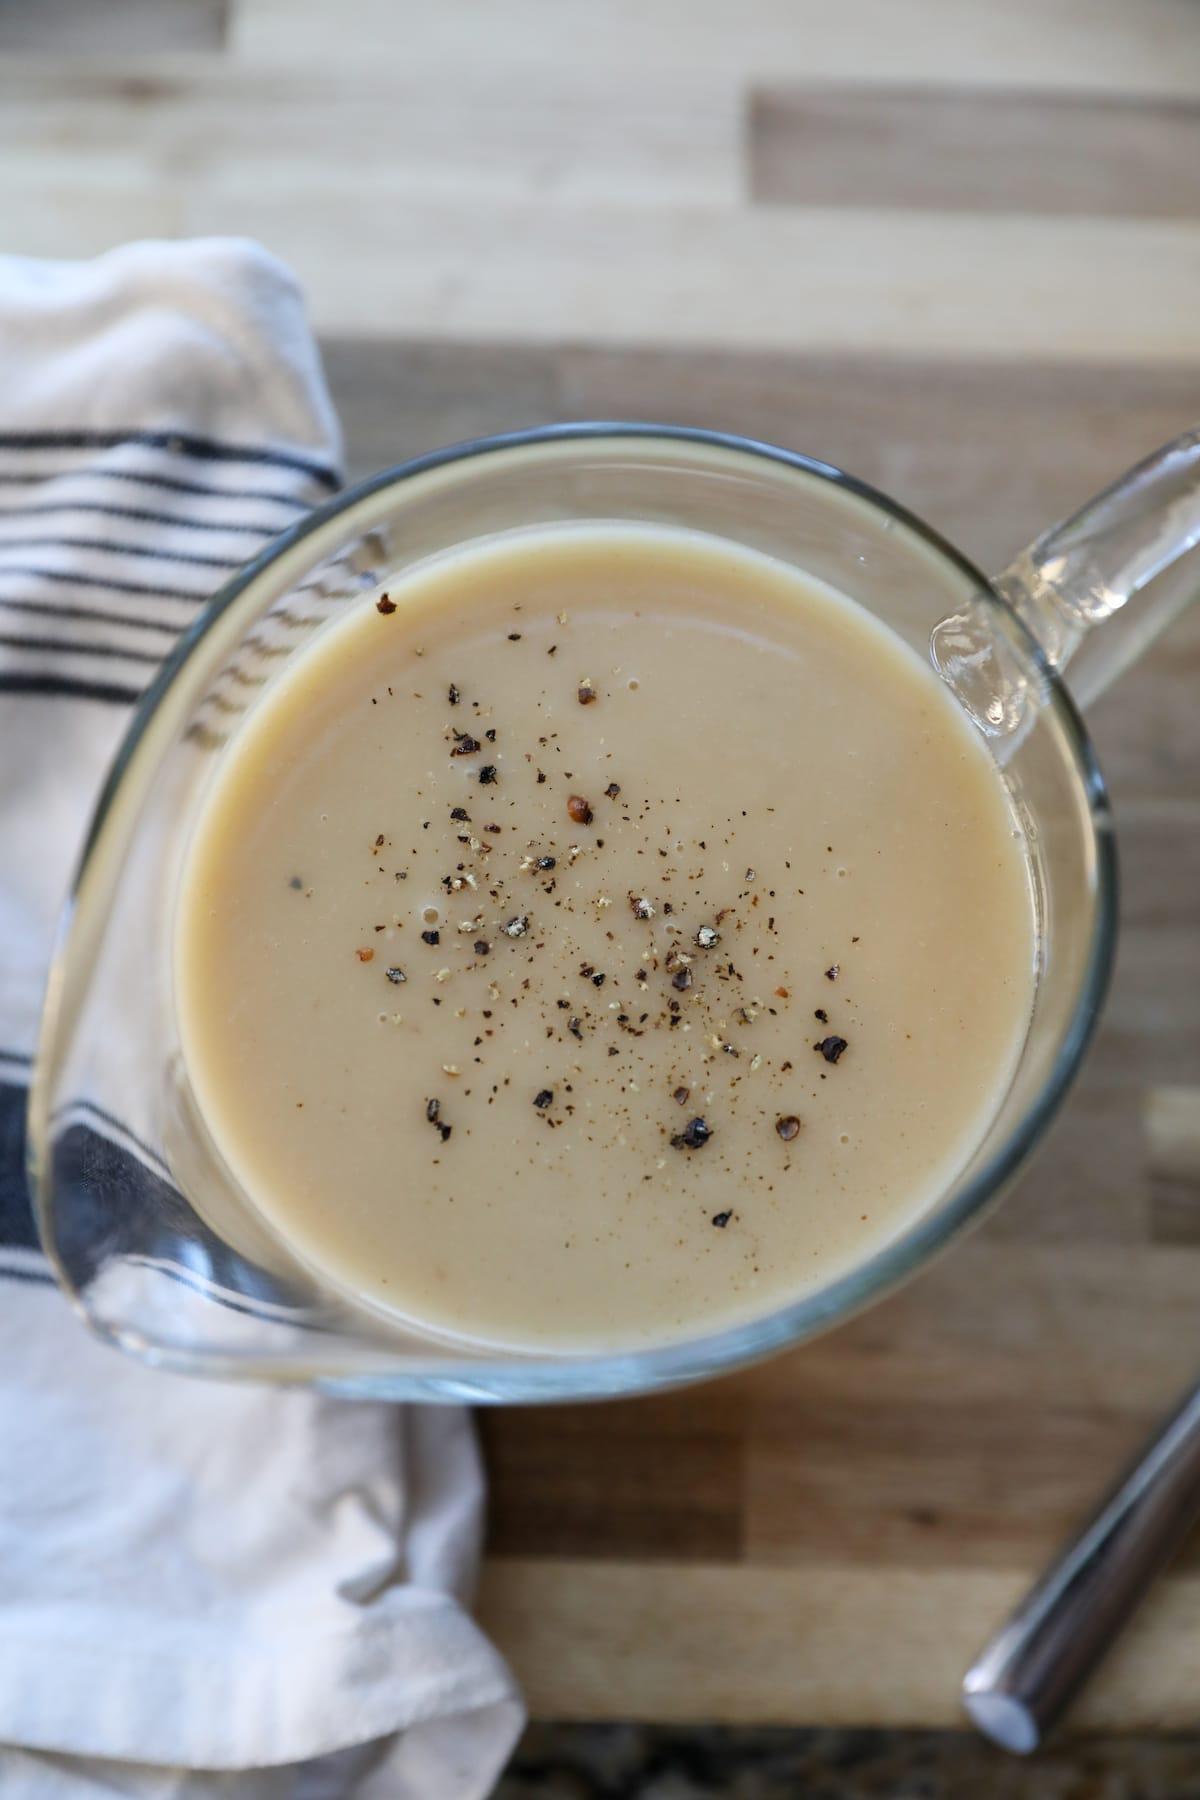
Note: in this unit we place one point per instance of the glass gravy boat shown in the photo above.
(147, 1230)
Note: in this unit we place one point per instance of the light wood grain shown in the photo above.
(535, 174)
(1089, 45)
(792, 279)
(976, 151)
(207, 131)
(55, 219)
(995, 1349)
(1172, 1126)
(801, 1646)
(1173, 1131)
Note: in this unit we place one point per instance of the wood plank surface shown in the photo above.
(132, 28)
(790, 279)
(833, 1646)
(205, 132)
(1058, 45)
(986, 452)
(979, 151)
(960, 1429)
(955, 249)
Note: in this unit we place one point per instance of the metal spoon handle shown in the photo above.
(1038, 1660)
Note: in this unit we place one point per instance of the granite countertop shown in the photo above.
(630, 1762)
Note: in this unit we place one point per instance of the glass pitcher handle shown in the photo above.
(1128, 561)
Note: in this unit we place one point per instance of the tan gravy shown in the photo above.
(607, 936)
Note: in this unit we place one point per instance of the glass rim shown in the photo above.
(444, 1371)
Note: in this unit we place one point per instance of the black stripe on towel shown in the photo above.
(49, 609)
(139, 515)
(146, 478)
(179, 443)
(69, 647)
(43, 686)
(39, 1277)
(16, 1214)
(114, 547)
(71, 578)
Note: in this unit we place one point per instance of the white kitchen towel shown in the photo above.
(203, 1589)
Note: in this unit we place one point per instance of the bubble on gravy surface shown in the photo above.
(598, 936)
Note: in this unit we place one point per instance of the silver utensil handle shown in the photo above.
(1039, 1659)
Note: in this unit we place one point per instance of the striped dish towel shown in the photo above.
(207, 1589)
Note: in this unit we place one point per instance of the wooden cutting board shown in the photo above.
(829, 1537)
(955, 248)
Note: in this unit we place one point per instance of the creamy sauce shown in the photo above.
(609, 935)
